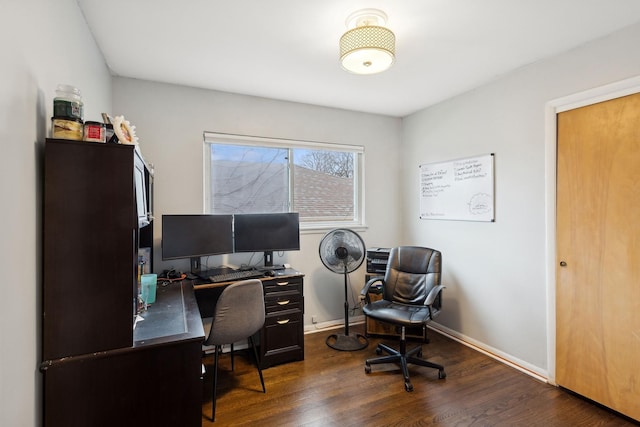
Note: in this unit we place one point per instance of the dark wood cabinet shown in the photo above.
(282, 337)
(90, 248)
(98, 370)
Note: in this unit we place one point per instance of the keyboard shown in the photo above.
(235, 275)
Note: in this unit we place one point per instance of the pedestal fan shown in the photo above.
(342, 251)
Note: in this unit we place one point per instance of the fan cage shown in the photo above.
(342, 238)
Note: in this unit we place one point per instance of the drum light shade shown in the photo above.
(368, 48)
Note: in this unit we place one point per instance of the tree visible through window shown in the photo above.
(322, 184)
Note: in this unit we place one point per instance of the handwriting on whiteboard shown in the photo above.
(458, 189)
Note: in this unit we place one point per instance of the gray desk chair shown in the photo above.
(239, 314)
(411, 296)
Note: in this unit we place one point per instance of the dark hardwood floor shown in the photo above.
(330, 388)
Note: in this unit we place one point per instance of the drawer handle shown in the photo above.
(282, 283)
(283, 322)
(284, 302)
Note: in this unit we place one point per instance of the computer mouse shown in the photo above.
(269, 273)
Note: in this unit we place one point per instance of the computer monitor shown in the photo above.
(195, 236)
(267, 233)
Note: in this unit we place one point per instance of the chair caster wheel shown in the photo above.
(442, 374)
(378, 351)
(419, 354)
(367, 369)
(408, 386)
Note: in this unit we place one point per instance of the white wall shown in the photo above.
(43, 43)
(170, 121)
(496, 272)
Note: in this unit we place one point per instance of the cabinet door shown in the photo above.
(127, 388)
(89, 256)
(282, 338)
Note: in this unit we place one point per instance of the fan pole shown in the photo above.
(346, 342)
(346, 302)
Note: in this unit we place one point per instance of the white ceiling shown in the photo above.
(288, 49)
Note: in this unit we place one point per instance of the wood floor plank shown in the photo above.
(330, 388)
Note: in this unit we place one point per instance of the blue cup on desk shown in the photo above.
(149, 283)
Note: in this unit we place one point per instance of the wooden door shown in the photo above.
(598, 253)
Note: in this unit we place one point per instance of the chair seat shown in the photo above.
(397, 313)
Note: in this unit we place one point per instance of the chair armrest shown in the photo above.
(364, 293)
(431, 298)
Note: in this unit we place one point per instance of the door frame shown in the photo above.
(552, 108)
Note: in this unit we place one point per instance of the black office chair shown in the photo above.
(411, 296)
(238, 315)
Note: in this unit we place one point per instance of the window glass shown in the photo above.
(320, 181)
(324, 185)
(247, 179)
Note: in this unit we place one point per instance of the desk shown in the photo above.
(156, 382)
(281, 339)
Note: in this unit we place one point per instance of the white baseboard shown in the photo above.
(333, 324)
(494, 353)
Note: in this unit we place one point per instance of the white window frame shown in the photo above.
(232, 139)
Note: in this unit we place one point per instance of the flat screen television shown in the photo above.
(267, 233)
(195, 236)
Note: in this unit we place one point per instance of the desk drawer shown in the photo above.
(283, 285)
(280, 301)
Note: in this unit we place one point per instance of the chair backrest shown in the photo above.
(239, 313)
(412, 272)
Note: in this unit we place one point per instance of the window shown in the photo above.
(320, 181)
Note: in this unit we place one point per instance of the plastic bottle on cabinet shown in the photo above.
(68, 113)
(68, 103)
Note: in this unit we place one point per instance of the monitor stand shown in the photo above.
(268, 259)
(195, 265)
(268, 262)
(196, 270)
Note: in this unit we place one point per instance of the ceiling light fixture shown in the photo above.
(367, 47)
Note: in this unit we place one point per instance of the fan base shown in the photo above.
(344, 342)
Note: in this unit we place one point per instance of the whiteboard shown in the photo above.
(460, 189)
